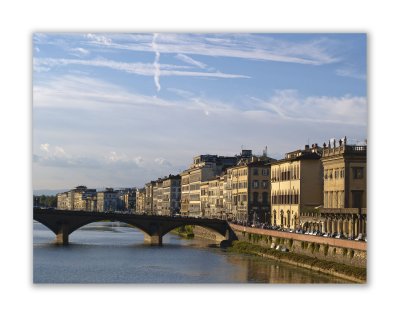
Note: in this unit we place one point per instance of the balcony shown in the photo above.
(345, 149)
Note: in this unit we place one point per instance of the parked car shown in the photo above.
(359, 237)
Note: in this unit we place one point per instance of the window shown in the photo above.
(255, 197)
(264, 184)
(255, 184)
(265, 198)
(358, 172)
(255, 171)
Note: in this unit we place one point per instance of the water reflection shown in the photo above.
(112, 253)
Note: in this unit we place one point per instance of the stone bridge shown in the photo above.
(65, 222)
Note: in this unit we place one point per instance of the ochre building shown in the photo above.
(296, 186)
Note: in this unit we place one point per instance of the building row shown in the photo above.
(83, 198)
(315, 188)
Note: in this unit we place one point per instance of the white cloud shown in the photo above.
(186, 59)
(288, 105)
(80, 92)
(59, 151)
(100, 39)
(45, 147)
(85, 93)
(138, 160)
(350, 72)
(162, 161)
(246, 46)
(79, 52)
(151, 137)
(154, 70)
(181, 92)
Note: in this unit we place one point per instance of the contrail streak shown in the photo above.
(156, 63)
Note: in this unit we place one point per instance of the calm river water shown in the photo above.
(114, 253)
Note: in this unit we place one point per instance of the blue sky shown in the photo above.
(120, 109)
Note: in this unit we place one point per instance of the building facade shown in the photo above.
(79, 198)
(148, 202)
(140, 200)
(126, 199)
(248, 190)
(107, 200)
(345, 189)
(204, 168)
(171, 195)
(157, 197)
(296, 187)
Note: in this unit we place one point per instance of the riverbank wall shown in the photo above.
(348, 252)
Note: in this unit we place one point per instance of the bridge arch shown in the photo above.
(63, 223)
(220, 234)
(80, 225)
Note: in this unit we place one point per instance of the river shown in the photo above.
(109, 252)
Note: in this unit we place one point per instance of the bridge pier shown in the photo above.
(153, 239)
(229, 237)
(62, 236)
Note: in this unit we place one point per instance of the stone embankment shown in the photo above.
(338, 257)
(349, 252)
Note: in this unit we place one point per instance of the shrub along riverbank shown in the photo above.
(355, 274)
(184, 231)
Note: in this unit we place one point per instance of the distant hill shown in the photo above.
(48, 192)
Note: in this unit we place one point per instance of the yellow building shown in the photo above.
(296, 186)
(203, 168)
(212, 198)
(345, 188)
(158, 196)
(79, 198)
(140, 199)
(63, 200)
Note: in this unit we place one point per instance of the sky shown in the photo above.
(122, 109)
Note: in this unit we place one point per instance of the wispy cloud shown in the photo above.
(350, 72)
(56, 156)
(86, 110)
(186, 59)
(79, 52)
(86, 93)
(101, 39)
(162, 161)
(145, 69)
(245, 46)
(289, 105)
